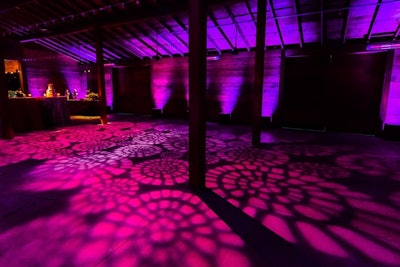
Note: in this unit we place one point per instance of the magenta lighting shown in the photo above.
(271, 84)
(160, 93)
(230, 93)
(393, 102)
(383, 46)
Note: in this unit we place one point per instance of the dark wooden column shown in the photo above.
(197, 92)
(101, 83)
(259, 71)
(6, 128)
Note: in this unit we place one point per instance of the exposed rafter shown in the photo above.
(396, 33)
(156, 51)
(278, 28)
(162, 36)
(238, 29)
(322, 24)
(211, 16)
(299, 23)
(122, 39)
(165, 25)
(145, 29)
(183, 26)
(371, 26)
(146, 11)
(56, 47)
(345, 14)
(250, 13)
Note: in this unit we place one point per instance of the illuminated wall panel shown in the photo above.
(62, 71)
(229, 84)
(393, 104)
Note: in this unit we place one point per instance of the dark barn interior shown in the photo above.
(200, 133)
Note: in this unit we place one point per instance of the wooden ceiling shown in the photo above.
(140, 29)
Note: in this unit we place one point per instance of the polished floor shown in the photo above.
(117, 195)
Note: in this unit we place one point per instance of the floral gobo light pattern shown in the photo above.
(115, 192)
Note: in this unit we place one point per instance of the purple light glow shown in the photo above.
(160, 94)
(366, 246)
(230, 92)
(271, 83)
(122, 202)
(168, 75)
(186, 233)
(72, 78)
(321, 240)
(393, 102)
(41, 72)
(108, 86)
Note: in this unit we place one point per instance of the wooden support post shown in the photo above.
(197, 92)
(6, 128)
(101, 83)
(259, 71)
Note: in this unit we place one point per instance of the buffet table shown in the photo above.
(37, 113)
(84, 107)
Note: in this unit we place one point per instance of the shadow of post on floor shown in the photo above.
(269, 248)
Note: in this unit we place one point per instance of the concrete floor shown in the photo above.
(116, 195)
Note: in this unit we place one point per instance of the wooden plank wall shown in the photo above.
(43, 67)
(132, 89)
(229, 85)
(338, 91)
(393, 104)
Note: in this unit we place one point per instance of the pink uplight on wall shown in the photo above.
(168, 77)
(63, 72)
(271, 83)
(160, 94)
(230, 92)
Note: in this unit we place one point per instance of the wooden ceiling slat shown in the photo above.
(160, 35)
(154, 40)
(299, 22)
(238, 29)
(126, 54)
(278, 28)
(396, 33)
(165, 25)
(121, 33)
(371, 26)
(323, 34)
(61, 50)
(214, 21)
(140, 40)
(345, 14)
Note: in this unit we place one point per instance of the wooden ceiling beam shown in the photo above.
(371, 25)
(154, 40)
(161, 35)
(396, 33)
(146, 11)
(169, 29)
(345, 13)
(278, 28)
(238, 29)
(323, 33)
(214, 20)
(250, 13)
(299, 22)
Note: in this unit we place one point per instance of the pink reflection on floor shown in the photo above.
(116, 195)
(164, 171)
(184, 235)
